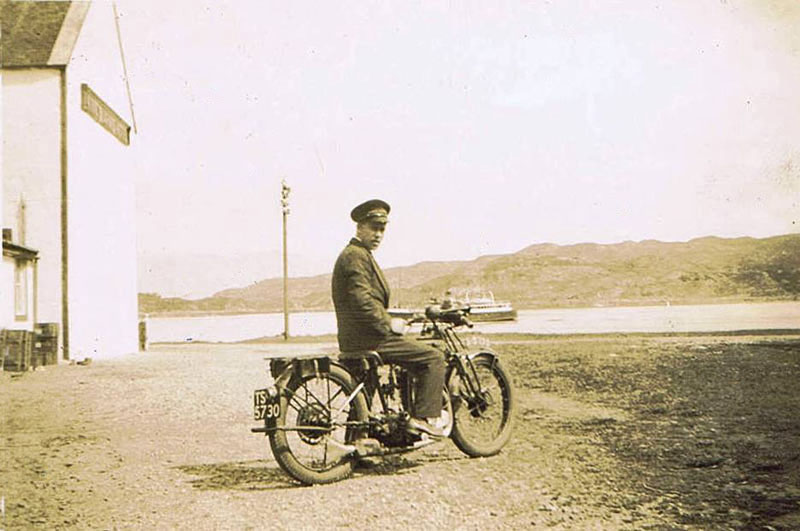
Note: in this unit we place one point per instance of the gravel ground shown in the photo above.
(611, 433)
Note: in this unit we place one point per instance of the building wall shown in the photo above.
(31, 168)
(8, 313)
(6, 266)
(7, 293)
(100, 197)
(101, 204)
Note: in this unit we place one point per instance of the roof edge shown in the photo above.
(14, 250)
(68, 34)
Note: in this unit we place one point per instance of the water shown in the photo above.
(704, 318)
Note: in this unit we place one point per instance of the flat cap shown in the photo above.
(374, 209)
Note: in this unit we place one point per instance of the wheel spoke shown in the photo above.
(312, 405)
(321, 417)
(306, 402)
(482, 420)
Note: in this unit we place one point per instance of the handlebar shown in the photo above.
(455, 316)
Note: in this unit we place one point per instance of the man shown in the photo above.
(361, 297)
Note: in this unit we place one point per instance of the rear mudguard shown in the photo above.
(296, 368)
(301, 367)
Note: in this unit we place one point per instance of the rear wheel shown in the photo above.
(482, 412)
(316, 445)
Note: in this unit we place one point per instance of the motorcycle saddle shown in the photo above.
(361, 355)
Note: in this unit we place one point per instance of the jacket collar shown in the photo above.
(375, 266)
(359, 243)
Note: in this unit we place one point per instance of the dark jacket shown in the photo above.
(360, 297)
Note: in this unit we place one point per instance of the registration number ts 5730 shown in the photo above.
(266, 405)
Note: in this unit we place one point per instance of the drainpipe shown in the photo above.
(64, 227)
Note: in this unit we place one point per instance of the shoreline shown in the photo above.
(639, 304)
(505, 337)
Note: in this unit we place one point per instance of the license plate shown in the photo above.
(266, 406)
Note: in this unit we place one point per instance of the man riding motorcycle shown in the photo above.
(361, 298)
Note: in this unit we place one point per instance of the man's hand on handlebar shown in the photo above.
(398, 325)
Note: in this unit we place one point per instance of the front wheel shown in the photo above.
(482, 406)
(320, 419)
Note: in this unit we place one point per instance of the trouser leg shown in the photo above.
(426, 364)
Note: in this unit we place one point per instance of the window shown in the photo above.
(21, 290)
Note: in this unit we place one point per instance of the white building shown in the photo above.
(67, 201)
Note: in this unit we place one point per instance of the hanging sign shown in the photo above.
(104, 115)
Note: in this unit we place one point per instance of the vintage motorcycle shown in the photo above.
(324, 413)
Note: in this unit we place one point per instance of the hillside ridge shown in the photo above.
(702, 270)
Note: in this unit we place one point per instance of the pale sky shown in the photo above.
(488, 126)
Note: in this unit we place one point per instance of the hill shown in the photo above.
(702, 270)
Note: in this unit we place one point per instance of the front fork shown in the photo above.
(463, 381)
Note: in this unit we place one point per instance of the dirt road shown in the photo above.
(602, 440)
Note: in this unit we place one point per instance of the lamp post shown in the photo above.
(285, 208)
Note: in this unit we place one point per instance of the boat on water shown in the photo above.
(482, 304)
(483, 307)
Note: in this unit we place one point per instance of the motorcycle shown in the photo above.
(325, 413)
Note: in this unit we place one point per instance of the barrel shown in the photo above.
(45, 347)
(47, 329)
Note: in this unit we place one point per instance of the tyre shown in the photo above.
(482, 421)
(319, 454)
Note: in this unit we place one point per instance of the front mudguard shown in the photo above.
(452, 380)
(483, 352)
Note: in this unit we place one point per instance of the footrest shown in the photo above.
(368, 447)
